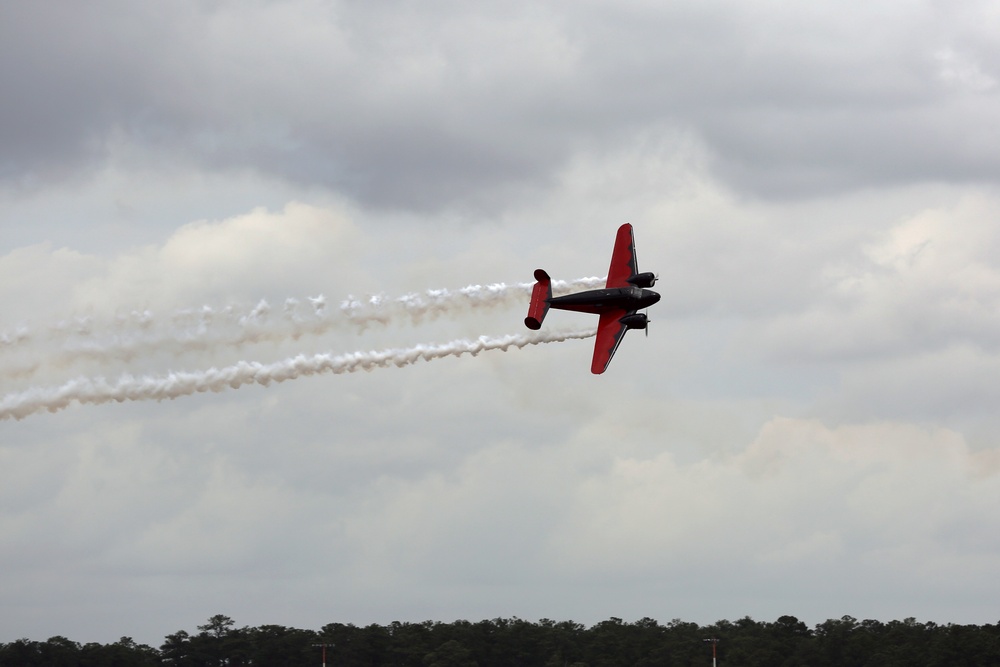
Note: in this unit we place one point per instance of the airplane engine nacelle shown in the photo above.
(635, 321)
(646, 279)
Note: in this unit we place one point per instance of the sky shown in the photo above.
(197, 193)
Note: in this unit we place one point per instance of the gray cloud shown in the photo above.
(445, 103)
(810, 428)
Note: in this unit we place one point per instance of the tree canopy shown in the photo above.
(513, 642)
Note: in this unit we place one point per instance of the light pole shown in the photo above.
(713, 641)
(324, 651)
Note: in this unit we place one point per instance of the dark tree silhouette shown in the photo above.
(513, 642)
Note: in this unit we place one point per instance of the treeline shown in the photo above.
(844, 642)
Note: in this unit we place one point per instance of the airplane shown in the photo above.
(617, 304)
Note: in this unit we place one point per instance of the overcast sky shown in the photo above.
(809, 429)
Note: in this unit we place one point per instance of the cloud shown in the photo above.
(964, 72)
(808, 429)
(255, 252)
(28, 276)
(876, 495)
(500, 97)
(886, 510)
(249, 256)
(483, 488)
(148, 308)
(925, 284)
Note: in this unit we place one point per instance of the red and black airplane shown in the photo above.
(617, 304)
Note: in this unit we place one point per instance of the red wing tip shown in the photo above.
(597, 367)
(541, 275)
(532, 323)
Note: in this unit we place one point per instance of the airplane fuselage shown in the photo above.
(603, 300)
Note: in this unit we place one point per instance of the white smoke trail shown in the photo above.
(137, 332)
(435, 302)
(129, 388)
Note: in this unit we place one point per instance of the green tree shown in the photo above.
(450, 654)
(218, 626)
(123, 653)
(59, 652)
(278, 646)
(20, 653)
(409, 643)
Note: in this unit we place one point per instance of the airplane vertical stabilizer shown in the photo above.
(540, 296)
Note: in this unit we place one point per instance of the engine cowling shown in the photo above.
(645, 279)
(635, 321)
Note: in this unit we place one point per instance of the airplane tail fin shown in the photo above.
(540, 296)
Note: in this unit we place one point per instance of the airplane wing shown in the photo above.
(609, 335)
(623, 262)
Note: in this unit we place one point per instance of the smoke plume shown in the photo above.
(132, 334)
(97, 390)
